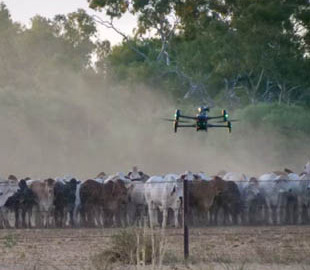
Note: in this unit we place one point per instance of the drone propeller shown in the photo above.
(172, 120)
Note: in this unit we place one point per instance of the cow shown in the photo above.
(107, 198)
(91, 203)
(44, 192)
(135, 210)
(7, 189)
(228, 198)
(305, 197)
(22, 201)
(64, 201)
(280, 193)
(164, 193)
(201, 198)
(253, 201)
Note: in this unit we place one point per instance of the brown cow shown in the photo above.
(228, 198)
(201, 198)
(102, 198)
(44, 191)
(213, 195)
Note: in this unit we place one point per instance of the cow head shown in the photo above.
(188, 175)
(101, 175)
(12, 178)
(307, 168)
(22, 184)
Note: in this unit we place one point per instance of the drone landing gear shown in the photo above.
(176, 125)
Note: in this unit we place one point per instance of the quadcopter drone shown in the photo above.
(201, 120)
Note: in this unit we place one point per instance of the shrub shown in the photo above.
(131, 246)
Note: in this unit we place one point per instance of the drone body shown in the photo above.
(201, 120)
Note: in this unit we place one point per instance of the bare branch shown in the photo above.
(110, 25)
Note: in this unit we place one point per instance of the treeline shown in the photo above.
(233, 53)
(237, 52)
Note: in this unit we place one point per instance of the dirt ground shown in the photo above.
(283, 247)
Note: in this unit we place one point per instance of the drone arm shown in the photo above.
(186, 125)
(215, 117)
(213, 125)
(188, 117)
(221, 126)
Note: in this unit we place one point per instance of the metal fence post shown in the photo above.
(185, 218)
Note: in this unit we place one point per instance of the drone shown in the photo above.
(201, 120)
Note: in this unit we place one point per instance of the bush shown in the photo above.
(131, 246)
(284, 118)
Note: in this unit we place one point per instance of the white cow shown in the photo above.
(164, 193)
(253, 200)
(304, 183)
(278, 190)
(7, 189)
(137, 206)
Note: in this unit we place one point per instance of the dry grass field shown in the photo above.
(283, 247)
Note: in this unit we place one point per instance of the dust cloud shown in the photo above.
(75, 127)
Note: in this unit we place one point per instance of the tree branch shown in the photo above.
(110, 25)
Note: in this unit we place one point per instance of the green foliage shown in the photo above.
(10, 241)
(283, 118)
(223, 46)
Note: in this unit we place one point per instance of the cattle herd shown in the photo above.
(281, 197)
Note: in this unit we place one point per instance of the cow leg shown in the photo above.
(62, 220)
(269, 213)
(308, 214)
(1, 219)
(278, 211)
(216, 210)
(29, 216)
(299, 210)
(37, 217)
(5, 216)
(176, 218)
(165, 217)
(83, 216)
(24, 225)
(153, 215)
(56, 214)
(246, 215)
(71, 217)
(16, 212)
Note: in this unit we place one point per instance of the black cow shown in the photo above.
(22, 201)
(64, 201)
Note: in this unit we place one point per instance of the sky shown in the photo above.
(23, 10)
